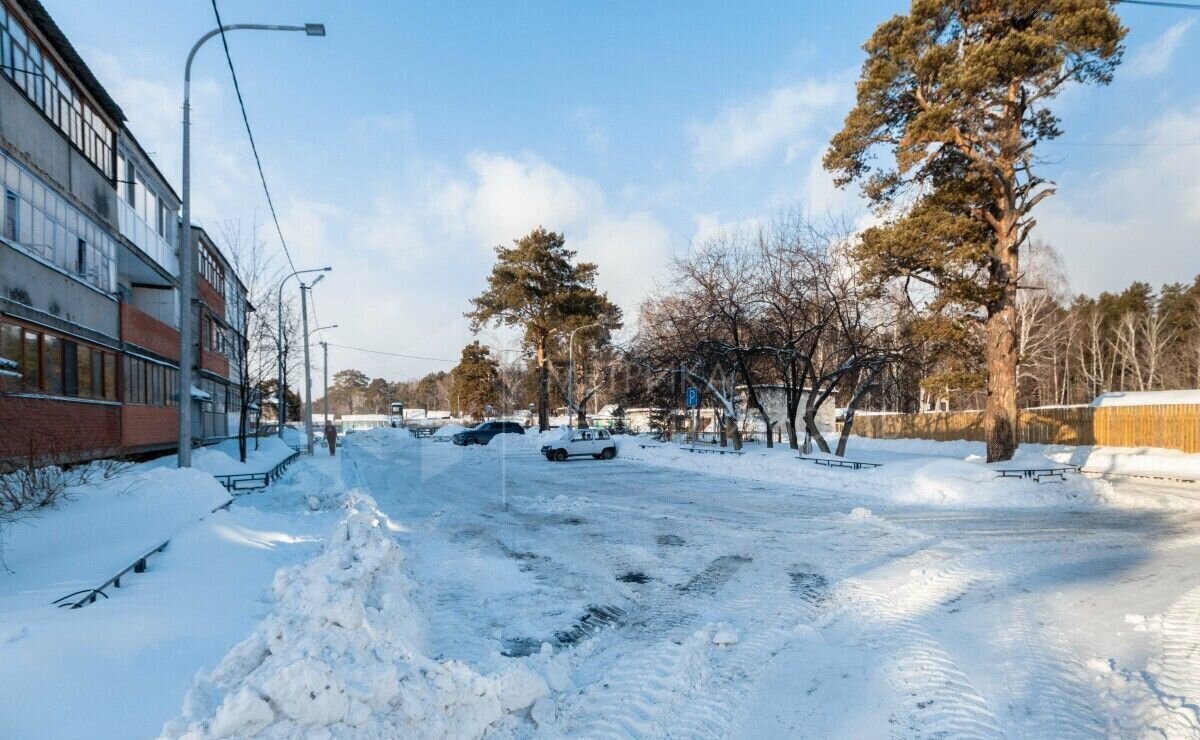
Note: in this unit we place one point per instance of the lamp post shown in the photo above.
(325, 367)
(187, 251)
(308, 431)
(571, 373)
(279, 389)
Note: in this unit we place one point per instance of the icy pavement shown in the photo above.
(686, 604)
(427, 590)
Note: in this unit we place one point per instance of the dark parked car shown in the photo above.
(483, 433)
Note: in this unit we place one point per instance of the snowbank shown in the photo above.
(100, 529)
(529, 440)
(1150, 462)
(381, 436)
(1146, 398)
(340, 655)
(449, 430)
(905, 477)
(222, 458)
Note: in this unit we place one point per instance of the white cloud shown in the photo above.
(752, 130)
(1155, 57)
(586, 121)
(1136, 218)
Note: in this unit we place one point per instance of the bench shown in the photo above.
(713, 450)
(840, 463)
(1038, 474)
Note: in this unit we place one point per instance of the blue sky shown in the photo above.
(416, 136)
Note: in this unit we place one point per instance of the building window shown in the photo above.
(211, 269)
(81, 257)
(52, 364)
(149, 383)
(31, 70)
(44, 224)
(83, 372)
(57, 366)
(10, 215)
(31, 361)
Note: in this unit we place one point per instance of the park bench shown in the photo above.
(1038, 474)
(839, 463)
(713, 450)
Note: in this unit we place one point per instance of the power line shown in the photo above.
(391, 354)
(1161, 4)
(250, 133)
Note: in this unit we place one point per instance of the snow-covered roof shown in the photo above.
(8, 368)
(199, 395)
(1147, 398)
(363, 417)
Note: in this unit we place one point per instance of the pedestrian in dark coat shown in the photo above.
(331, 437)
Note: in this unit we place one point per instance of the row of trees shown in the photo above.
(781, 308)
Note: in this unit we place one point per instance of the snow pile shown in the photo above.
(529, 440)
(339, 656)
(942, 481)
(449, 430)
(382, 436)
(908, 477)
(99, 528)
(1146, 398)
(222, 459)
(1151, 462)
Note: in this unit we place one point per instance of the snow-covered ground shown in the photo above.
(428, 590)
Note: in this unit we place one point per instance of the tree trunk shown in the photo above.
(810, 424)
(793, 438)
(733, 432)
(1000, 408)
(845, 435)
(543, 387)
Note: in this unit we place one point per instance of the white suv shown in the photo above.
(595, 442)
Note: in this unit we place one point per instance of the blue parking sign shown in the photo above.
(693, 398)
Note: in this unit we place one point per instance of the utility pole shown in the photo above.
(188, 258)
(308, 430)
(325, 347)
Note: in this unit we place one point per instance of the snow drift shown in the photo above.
(340, 656)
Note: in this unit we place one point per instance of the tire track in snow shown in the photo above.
(690, 687)
(1179, 674)
(1049, 691)
(941, 699)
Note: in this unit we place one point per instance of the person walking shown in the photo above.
(331, 437)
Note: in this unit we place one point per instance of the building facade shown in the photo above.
(89, 268)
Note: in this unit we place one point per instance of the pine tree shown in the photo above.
(959, 90)
(474, 381)
(535, 285)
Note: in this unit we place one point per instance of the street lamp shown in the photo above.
(279, 390)
(571, 373)
(304, 289)
(187, 252)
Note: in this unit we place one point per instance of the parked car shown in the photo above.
(595, 442)
(483, 433)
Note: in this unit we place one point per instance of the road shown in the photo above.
(852, 618)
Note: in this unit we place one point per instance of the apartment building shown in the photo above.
(89, 268)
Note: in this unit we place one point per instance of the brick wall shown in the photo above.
(148, 426)
(214, 362)
(62, 430)
(211, 298)
(142, 329)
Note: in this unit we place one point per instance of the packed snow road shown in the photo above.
(687, 604)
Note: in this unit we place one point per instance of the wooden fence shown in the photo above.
(1174, 427)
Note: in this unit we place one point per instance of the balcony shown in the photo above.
(146, 238)
(145, 331)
